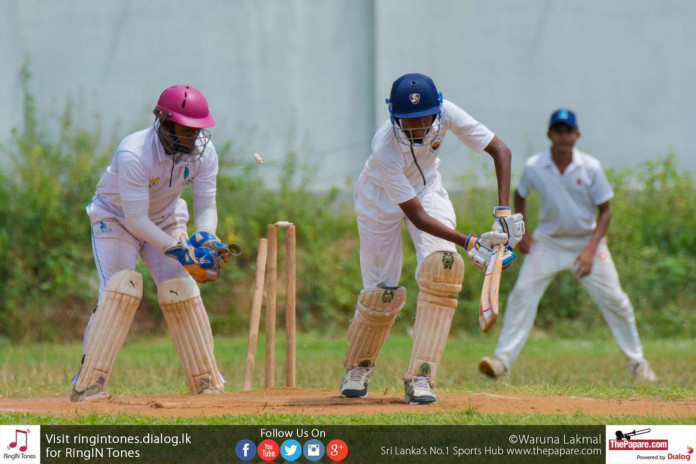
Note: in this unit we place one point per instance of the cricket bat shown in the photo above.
(488, 304)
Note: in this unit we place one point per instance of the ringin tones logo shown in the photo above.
(20, 443)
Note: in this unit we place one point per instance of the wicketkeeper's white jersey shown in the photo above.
(141, 171)
(391, 165)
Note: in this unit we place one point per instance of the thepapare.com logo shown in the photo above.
(627, 441)
(671, 443)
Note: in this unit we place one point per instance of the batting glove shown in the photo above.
(480, 249)
(201, 263)
(508, 223)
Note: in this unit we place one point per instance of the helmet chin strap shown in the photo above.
(417, 165)
(173, 147)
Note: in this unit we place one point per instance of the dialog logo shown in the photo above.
(291, 450)
(313, 450)
(245, 450)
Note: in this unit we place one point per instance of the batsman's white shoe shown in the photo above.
(643, 373)
(355, 381)
(90, 395)
(492, 367)
(419, 391)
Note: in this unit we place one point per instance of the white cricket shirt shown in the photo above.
(567, 202)
(391, 164)
(141, 171)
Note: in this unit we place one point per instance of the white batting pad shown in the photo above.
(374, 317)
(110, 324)
(189, 326)
(440, 281)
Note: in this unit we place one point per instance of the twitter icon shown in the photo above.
(290, 450)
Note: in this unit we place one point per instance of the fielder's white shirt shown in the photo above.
(141, 171)
(567, 202)
(391, 164)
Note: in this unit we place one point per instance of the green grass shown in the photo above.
(453, 418)
(548, 366)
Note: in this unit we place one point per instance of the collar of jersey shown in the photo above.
(158, 148)
(574, 164)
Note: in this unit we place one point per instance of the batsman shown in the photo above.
(401, 183)
(137, 210)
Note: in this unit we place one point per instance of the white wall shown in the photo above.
(312, 75)
(626, 67)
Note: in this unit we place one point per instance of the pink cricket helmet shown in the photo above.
(185, 105)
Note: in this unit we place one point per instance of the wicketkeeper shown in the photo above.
(400, 183)
(137, 210)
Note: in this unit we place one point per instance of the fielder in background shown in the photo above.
(401, 183)
(572, 187)
(137, 210)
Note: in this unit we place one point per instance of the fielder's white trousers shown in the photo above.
(379, 227)
(547, 257)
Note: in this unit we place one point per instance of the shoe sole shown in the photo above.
(211, 391)
(103, 396)
(487, 370)
(408, 400)
(357, 395)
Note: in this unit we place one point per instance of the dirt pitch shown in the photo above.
(327, 402)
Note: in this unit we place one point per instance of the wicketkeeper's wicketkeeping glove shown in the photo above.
(203, 239)
(201, 263)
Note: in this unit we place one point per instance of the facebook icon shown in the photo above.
(245, 450)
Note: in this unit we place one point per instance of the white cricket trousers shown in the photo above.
(115, 249)
(548, 257)
(379, 226)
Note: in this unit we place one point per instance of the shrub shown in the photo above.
(49, 281)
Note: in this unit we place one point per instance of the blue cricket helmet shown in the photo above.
(414, 95)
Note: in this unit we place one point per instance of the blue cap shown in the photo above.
(414, 95)
(563, 116)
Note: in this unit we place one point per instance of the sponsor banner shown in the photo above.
(26, 444)
(650, 443)
(326, 444)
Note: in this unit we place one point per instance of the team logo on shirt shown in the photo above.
(415, 98)
(103, 229)
(578, 181)
(154, 182)
(435, 145)
(186, 175)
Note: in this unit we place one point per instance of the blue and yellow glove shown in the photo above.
(508, 223)
(201, 263)
(480, 249)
